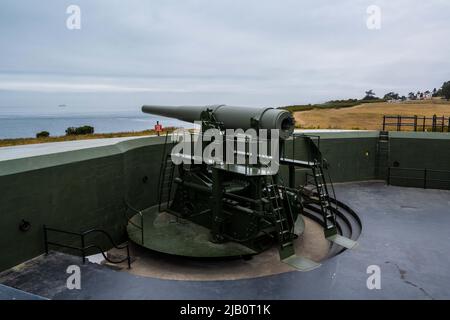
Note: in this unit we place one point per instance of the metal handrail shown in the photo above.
(425, 176)
(332, 186)
(107, 235)
(282, 187)
(419, 169)
(303, 135)
(85, 248)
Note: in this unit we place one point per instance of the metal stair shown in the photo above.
(325, 203)
(277, 198)
(323, 199)
(347, 221)
(283, 219)
(326, 208)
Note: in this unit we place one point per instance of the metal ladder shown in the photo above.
(317, 164)
(329, 218)
(166, 175)
(277, 197)
(383, 155)
(327, 209)
(284, 222)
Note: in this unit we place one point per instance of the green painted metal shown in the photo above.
(301, 263)
(167, 233)
(343, 241)
(161, 226)
(230, 117)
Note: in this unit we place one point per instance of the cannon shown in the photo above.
(231, 117)
(246, 208)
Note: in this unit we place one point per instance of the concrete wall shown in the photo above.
(82, 189)
(76, 191)
(351, 155)
(420, 150)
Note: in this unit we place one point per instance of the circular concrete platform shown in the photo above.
(311, 244)
(166, 233)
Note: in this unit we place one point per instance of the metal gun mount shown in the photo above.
(248, 209)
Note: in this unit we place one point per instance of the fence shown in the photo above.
(416, 123)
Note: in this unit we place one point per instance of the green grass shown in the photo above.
(23, 141)
(335, 104)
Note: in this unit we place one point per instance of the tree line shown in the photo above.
(444, 92)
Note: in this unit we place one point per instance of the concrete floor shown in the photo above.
(8, 293)
(405, 233)
(312, 244)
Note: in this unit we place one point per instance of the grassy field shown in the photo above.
(336, 104)
(22, 141)
(367, 116)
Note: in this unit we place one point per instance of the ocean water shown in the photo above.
(23, 126)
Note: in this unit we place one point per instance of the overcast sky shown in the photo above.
(247, 52)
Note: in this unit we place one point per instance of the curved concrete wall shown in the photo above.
(74, 190)
(78, 187)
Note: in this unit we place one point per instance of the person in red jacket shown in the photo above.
(158, 128)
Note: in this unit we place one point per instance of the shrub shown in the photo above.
(71, 131)
(42, 134)
(79, 130)
(85, 130)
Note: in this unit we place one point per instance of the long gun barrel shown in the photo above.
(231, 117)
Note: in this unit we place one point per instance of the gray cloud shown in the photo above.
(217, 51)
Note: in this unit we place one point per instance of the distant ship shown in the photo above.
(62, 105)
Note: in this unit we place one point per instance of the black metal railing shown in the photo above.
(309, 138)
(246, 150)
(85, 248)
(424, 177)
(416, 123)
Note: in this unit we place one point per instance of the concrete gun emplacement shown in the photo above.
(242, 204)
